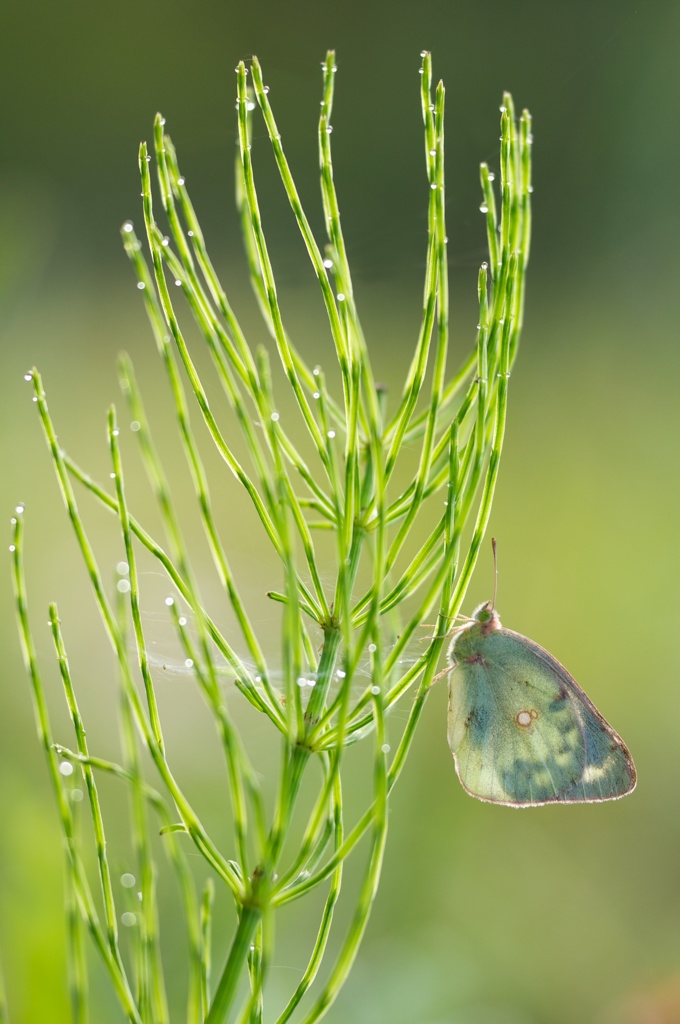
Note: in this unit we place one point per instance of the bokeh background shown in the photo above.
(485, 916)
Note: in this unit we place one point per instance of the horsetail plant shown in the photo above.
(347, 484)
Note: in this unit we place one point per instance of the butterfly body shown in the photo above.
(522, 731)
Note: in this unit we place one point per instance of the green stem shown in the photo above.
(225, 992)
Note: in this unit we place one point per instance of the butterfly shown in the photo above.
(522, 731)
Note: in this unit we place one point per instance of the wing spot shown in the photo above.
(594, 772)
(525, 718)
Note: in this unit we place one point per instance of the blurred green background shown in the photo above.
(485, 916)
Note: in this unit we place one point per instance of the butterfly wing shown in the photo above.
(524, 733)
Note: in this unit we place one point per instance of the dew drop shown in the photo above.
(128, 226)
(135, 425)
(28, 376)
(141, 286)
(331, 434)
(127, 880)
(188, 662)
(178, 283)
(12, 547)
(181, 181)
(275, 417)
(340, 674)
(372, 648)
(66, 768)
(34, 399)
(327, 264)
(169, 601)
(115, 432)
(182, 620)
(484, 208)
(76, 795)
(123, 586)
(375, 690)
(190, 233)
(122, 568)
(385, 748)
(341, 296)
(316, 395)
(491, 176)
(128, 919)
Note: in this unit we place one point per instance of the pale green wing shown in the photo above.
(523, 732)
(609, 771)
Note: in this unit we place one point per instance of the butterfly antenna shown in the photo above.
(495, 572)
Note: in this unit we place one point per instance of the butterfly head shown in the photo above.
(487, 617)
(465, 645)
